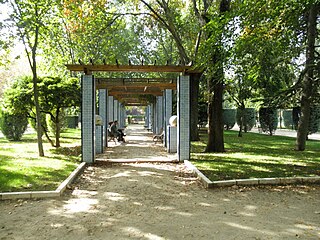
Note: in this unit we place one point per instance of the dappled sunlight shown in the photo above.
(252, 229)
(113, 196)
(137, 233)
(76, 205)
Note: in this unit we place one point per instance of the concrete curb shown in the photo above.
(249, 182)
(45, 194)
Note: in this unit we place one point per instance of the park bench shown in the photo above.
(159, 137)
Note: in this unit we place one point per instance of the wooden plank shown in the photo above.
(130, 68)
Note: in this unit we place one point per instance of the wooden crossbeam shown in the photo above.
(88, 69)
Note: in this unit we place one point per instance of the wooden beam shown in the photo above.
(120, 93)
(130, 68)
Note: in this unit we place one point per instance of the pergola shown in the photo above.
(115, 93)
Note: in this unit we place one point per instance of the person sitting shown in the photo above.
(116, 133)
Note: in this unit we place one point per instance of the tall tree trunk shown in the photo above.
(308, 81)
(58, 128)
(194, 115)
(215, 89)
(36, 92)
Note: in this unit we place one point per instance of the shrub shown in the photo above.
(314, 119)
(296, 113)
(72, 121)
(13, 126)
(248, 118)
(288, 119)
(229, 118)
(33, 122)
(268, 119)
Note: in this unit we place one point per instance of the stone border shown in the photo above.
(249, 182)
(45, 194)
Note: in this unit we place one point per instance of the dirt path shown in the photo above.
(161, 201)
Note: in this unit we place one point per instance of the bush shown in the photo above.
(268, 120)
(52, 127)
(314, 119)
(248, 117)
(229, 118)
(33, 122)
(72, 121)
(296, 113)
(13, 126)
(288, 119)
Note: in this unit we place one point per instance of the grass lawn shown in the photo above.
(256, 156)
(21, 168)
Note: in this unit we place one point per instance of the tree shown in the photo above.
(55, 95)
(308, 82)
(29, 18)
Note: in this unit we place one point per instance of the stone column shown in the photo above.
(159, 116)
(110, 109)
(88, 113)
(183, 105)
(115, 109)
(122, 114)
(154, 118)
(167, 112)
(103, 103)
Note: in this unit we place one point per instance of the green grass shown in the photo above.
(256, 156)
(21, 169)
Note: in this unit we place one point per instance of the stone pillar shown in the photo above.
(167, 111)
(103, 103)
(154, 117)
(183, 105)
(110, 109)
(159, 116)
(146, 117)
(99, 139)
(115, 109)
(122, 114)
(88, 113)
(150, 116)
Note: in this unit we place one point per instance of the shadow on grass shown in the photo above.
(257, 156)
(36, 178)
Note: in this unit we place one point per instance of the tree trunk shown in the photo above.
(215, 110)
(308, 81)
(58, 129)
(194, 115)
(38, 115)
(215, 120)
(36, 94)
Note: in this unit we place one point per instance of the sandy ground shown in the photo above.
(160, 201)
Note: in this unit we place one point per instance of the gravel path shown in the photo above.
(160, 201)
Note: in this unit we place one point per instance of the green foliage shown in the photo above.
(248, 117)
(55, 95)
(268, 119)
(72, 121)
(13, 126)
(229, 118)
(203, 112)
(314, 119)
(287, 119)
